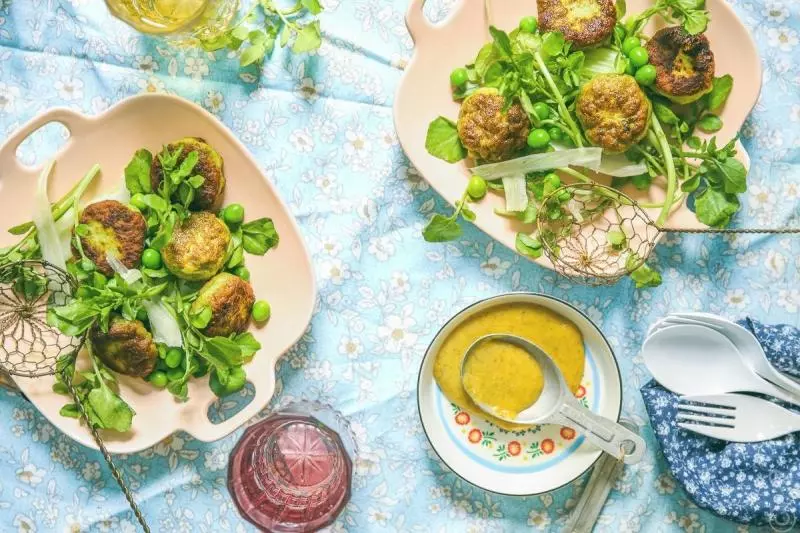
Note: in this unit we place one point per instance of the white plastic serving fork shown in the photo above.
(736, 417)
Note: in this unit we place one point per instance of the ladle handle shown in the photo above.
(606, 434)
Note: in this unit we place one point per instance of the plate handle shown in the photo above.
(72, 120)
(416, 21)
(203, 429)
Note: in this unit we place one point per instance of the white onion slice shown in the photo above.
(130, 275)
(163, 325)
(516, 193)
(580, 157)
(47, 233)
(619, 166)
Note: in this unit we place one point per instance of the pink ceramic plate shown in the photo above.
(283, 277)
(424, 93)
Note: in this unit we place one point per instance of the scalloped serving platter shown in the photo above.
(284, 276)
(424, 93)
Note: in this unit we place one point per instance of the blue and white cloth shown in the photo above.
(755, 483)
(321, 128)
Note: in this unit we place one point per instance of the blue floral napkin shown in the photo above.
(756, 483)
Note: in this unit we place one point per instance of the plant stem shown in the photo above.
(672, 179)
(562, 107)
(575, 174)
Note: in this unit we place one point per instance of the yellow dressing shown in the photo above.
(503, 376)
(554, 334)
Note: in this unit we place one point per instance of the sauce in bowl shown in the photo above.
(503, 372)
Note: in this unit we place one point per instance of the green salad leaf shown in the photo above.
(715, 207)
(443, 142)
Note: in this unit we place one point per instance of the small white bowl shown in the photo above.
(528, 462)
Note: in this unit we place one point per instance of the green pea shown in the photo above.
(233, 214)
(646, 75)
(235, 382)
(552, 180)
(529, 24)
(137, 201)
(261, 311)
(242, 272)
(538, 138)
(459, 77)
(87, 265)
(629, 44)
(555, 133)
(158, 379)
(477, 187)
(151, 259)
(542, 110)
(639, 56)
(174, 357)
(175, 374)
(564, 196)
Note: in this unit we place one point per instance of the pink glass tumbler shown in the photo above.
(292, 472)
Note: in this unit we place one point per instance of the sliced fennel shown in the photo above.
(516, 193)
(583, 157)
(49, 241)
(619, 166)
(163, 324)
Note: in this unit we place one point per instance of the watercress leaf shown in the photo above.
(313, 6)
(695, 22)
(224, 349)
(441, 229)
(720, 92)
(111, 411)
(155, 202)
(552, 44)
(247, 344)
(486, 57)
(664, 114)
(137, 173)
(691, 184)
(715, 208)
(443, 142)
(734, 176)
(201, 317)
(710, 123)
(528, 216)
(644, 276)
(196, 181)
(252, 54)
(241, 32)
(259, 236)
(621, 9)
(528, 246)
(502, 42)
(185, 168)
(694, 142)
(468, 214)
(308, 38)
(70, 410)
(179, 389)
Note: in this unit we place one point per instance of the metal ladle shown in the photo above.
(557, 405)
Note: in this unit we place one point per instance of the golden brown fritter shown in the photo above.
(486, 131)
(115, 228)
(230, 299)
(684, 64)
(584, 23)
(127, 347)
(614, 112)
(197, 248)
(209, 165)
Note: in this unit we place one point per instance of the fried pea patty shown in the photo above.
(488, 132)
(209, 165)
(112, 227)
(584, 23)
(614, 112)
(127, 347)
(197, 248)
(684, 64)
(230, 299)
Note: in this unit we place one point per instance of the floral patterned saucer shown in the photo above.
(528, 462)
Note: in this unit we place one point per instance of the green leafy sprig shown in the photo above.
(266, 26)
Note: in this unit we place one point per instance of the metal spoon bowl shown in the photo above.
(557, 405)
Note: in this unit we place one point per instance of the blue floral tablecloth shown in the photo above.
(321, 127)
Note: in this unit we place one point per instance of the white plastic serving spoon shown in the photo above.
(750, 349)
(557, 405)
(695, 359)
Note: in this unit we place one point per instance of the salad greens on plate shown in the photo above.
(537, 108)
